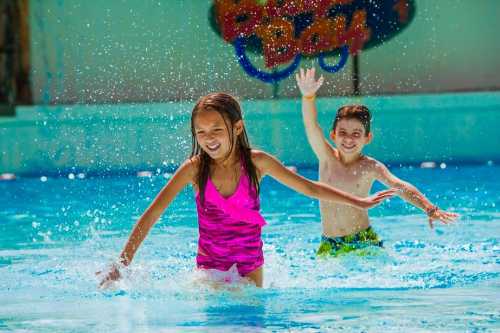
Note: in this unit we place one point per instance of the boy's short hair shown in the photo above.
(358, 112)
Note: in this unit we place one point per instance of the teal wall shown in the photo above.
(143, 51)
(103, 75)
(456, 128)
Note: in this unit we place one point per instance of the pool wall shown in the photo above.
(408, 129)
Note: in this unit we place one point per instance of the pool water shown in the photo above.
(56, 233)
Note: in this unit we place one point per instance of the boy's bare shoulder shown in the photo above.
(331, 154)
(371, 165)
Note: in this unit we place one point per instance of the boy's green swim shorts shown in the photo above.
(361, 242)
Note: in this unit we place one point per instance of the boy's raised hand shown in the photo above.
(307, 83)
(441, 215)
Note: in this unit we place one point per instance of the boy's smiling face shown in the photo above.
(350, 137)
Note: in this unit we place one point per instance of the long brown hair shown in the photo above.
(229, 108)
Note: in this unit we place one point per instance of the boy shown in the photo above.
(347, 228)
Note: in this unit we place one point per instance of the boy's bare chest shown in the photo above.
(352, 179)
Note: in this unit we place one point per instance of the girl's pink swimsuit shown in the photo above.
(230, 228)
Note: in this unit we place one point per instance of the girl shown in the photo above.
(225, 173)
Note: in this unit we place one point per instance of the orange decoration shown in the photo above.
(401, 7)
(277, 41)
(317, 38)
(280, 8)
(238, 18)
(357, 34)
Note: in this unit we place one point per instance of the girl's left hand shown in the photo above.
(377, 198)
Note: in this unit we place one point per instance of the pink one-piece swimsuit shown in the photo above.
(230, 228)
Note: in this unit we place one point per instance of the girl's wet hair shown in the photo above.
(358, 112)
(229, 108)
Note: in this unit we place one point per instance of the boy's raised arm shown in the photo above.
(308, 86)
(412, 195)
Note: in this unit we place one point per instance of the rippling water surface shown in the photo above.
(55, 234)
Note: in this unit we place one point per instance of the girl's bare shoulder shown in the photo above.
(260, 158)
(191, 167)
(261, 161)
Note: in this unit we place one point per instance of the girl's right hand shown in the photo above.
(377, 198)
(112, 275)
(307, 83)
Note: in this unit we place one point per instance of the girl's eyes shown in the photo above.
(217, 130)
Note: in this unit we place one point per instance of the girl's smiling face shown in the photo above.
(213, 134)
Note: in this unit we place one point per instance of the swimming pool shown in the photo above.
(56, 232)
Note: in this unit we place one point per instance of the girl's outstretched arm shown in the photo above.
(269, 165)
(182, 177)
(412, 195)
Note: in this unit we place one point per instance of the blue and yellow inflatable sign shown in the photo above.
(283, 31)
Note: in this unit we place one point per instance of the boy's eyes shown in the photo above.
(355, 134)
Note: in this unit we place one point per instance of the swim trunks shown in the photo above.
(360, 242)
